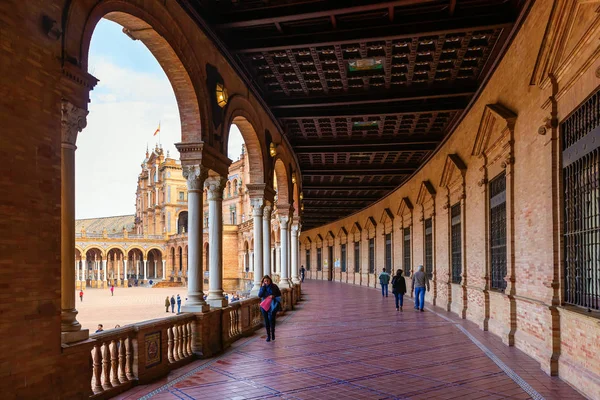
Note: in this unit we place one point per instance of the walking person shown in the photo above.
(178, 304)
(100, 328)
(398, 289)
(167, 303)
(81, 295)
(384, 281)
(112, 290)
(271, 290)
(420, 282)
(302, 273)
(173, 304)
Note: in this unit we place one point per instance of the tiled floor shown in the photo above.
(346, 342)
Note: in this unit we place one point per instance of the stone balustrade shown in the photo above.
(140, 353)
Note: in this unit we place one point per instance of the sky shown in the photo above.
(132, 97)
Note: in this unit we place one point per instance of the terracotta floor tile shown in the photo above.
(346, 342)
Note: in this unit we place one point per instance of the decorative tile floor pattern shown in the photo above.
(347, 342)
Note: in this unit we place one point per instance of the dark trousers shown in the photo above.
(269, 317)
(384, 290)
(399, 299)
(173, 307)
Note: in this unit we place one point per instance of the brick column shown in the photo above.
(73, 120)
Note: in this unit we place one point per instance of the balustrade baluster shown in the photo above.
(106, 366)
(191, 338)
(184, 341)
(122, 375)
(129, 358)
(180, 343)
(170, 342)
(114, 363)
(97, 369)
(175, 343)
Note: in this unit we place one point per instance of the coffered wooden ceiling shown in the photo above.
(364, 90)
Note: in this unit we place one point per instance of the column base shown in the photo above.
(197, 308)
(285, 284)
(72, 337)
(217, 303)
(295, 281)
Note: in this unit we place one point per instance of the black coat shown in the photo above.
(398, 285)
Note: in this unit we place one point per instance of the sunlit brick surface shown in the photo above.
(347, 342)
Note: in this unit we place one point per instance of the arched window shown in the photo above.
(182, 222)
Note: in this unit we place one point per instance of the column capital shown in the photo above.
(283, 221)
(257, 204)
(267, 211)
(215, 185)
(295, 229)
(195, 175)
(73, 121)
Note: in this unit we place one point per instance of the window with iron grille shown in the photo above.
(319, 259)
(406, 234)
(356, 257)
(308, 260)
(372, 255)
(581, 169)
(388, 252)
(343, 257)
(429, 247)
(456, 243)
(498, 231)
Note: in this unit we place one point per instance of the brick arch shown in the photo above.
(159, 28)
(282, 177)
(116, 247)
(80, 249)
(95, 247)
(161, 251)
(240, 112)
(135, 247)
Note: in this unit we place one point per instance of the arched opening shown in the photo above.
(182, 222)
(179, 271)
(115, 258)
(206, 257)
(173, 265)
(94, 267)
(155, 265)
(135, 266)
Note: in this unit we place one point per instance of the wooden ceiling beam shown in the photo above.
(358, 170)
(359, 146)
(340, 199)
(307, 187)
(390, 96)
(445, 26)
(373, 109)
(290, 12)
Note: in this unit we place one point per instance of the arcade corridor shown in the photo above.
(346, 342)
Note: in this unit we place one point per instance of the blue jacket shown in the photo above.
(272, 289)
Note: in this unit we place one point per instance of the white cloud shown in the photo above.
(125, 110)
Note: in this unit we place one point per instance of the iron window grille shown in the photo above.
(456, 243)
(356, 257)
(308, 260)
(388, 252)
(581, 180)
(372, 255)
(429, 248)
(319, 265)
(343, 257)
(406, 234)
(498, 231)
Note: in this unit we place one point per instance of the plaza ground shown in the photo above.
(127, 306)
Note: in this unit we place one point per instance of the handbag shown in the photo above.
(266, 304)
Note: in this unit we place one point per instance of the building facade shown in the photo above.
(151, 245)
